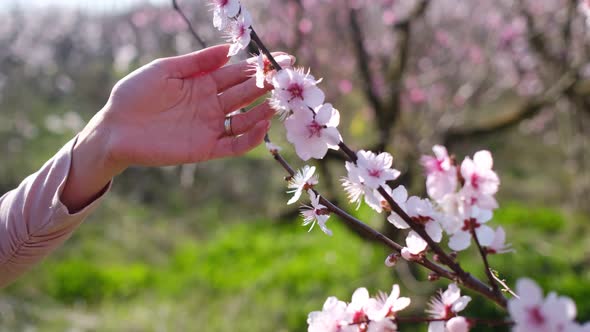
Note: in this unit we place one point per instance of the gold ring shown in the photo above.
(227, 126)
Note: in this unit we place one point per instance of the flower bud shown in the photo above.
(391, 259)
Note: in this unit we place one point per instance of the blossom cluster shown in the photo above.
(235, 21)
(461, 200)
(362, 314)
(465, 199)
(529, 311)
(310, 123)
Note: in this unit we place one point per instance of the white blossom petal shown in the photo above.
(460, 241)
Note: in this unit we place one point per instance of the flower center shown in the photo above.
(470, 223)
(536, 317)
(241, 30)
(438, 164)
(448, 312)
(322, 212)
(376, 173)
(296, 90)
(267, 66)
(475, 180)
(421, 219)
(222, 3)
(358, 317)
(385, 206)
(315, 129)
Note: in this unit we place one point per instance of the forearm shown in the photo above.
(33, 219)
(92, 166)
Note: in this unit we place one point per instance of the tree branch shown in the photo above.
(363, 59)
(395, 71)
(536, 39)
(418, 11)
(525, 109)
(188, 23)
(362, 227)
(484, 257)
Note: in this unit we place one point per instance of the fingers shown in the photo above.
(230, 75)
(238, 145)
(236, 73)
(241, 95)
(200, 62)
(243, 122)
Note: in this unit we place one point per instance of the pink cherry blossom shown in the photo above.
(223, 10)
(481, 182)
(378, 203)
(420, 211)
(453, 208)
(387, 306)
(239, 32)
(303, 180)
(356, 189)
(316, 213)
(295, 91)
(353, 185)
(357, 308)
(375, 169)
(499, 245)
(415, 245)
(533, 313)
(445, 305)
(330, 319)
(461, 239)
(264, 69)
(441, 174)
(314, 132)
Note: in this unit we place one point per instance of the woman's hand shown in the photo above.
(170, 111)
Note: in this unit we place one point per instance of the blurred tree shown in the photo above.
(406, 74)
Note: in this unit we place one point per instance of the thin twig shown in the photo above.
(484, 257)
(188, 22)
(359, 225)
(506, 287)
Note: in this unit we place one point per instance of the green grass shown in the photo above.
(259, 275)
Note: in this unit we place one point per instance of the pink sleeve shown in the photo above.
(33, 220)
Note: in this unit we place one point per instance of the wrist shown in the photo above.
(97, 143)
(92, 165)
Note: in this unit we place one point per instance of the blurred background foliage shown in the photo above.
(213, 246)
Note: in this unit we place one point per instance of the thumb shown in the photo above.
(196, 63)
